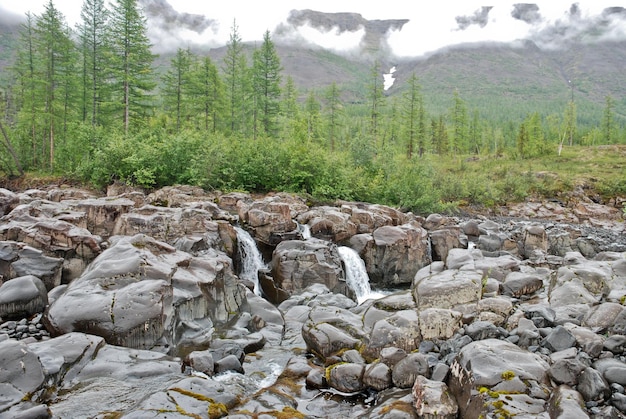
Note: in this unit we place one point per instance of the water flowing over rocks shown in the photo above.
(136, 305)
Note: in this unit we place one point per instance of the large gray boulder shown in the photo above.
(22, 297)
(144, 294)
(297, 264)
(490, 375)
(18, 259)
(394, 254)
(448, 289)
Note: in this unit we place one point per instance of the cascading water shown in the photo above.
(304, 230)
(356, 274)
(251, 259)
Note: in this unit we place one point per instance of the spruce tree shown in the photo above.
(176, 87)
(235, 69)
(207, 93)
(413, 117)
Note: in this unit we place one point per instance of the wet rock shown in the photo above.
(195, 397)
(328, 331)
(390, 356)
(566, 403)
(377, 376)
(329, 223)
(347, 377)
(406, 371)
(22, 297)
(297, 264)
(228, 363)
(433, 400)
(101, 215)
(201, 361)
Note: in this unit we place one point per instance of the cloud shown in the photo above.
(480, 18)
(169, 29)
(526, 12)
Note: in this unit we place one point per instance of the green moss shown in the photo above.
(508, 375)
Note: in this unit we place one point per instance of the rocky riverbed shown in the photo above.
(135, 305)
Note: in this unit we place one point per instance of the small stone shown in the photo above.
(559, 339)
(592, 386)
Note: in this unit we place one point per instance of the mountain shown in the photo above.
(502, 81)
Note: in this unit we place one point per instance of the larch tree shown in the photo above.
(608, 121)
(93, 45)
(266, 79)
(235, 69)
(376, 98)
(176, 87)
(131, 61)
(207, 92)
(459, 124)
(334, 110)
(57, 59)
(413, 117)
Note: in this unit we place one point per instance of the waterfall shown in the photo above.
(251, 259)
(304, 230)
(356, 274)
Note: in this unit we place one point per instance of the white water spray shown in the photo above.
(304, 230)
(356, 274)
(251, 259)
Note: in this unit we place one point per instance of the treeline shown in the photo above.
(87, 102)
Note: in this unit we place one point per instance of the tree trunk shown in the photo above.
(9, 147)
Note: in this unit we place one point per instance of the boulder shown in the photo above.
(22, 297)
(395, 254)
(433, 399)
(369, 217)
(346, 377)
(406, 371)
(448, 289)
(566, 403)
(439, 323)
(443, 241)
(491, 376)
(21, 373)
(400, 330)
(329, 223)
(270, 218)
(297, 264)
(8, 201)
(142, 293)
(101, 215)
(18, 259)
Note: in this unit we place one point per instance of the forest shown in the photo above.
(89, 104)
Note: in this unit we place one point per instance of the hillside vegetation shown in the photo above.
(474, 125)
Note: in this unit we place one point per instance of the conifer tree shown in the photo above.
(608, 121)
(235, 77)
(207, 92)
(176, 86)
(376, 100)
(290, 108)
(131, 61)
(93, 45)
(312, 112)
(413, 117)
(334, 110)
(459, 124)
(266, 78)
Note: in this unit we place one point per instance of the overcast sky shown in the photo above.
(432, 25)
